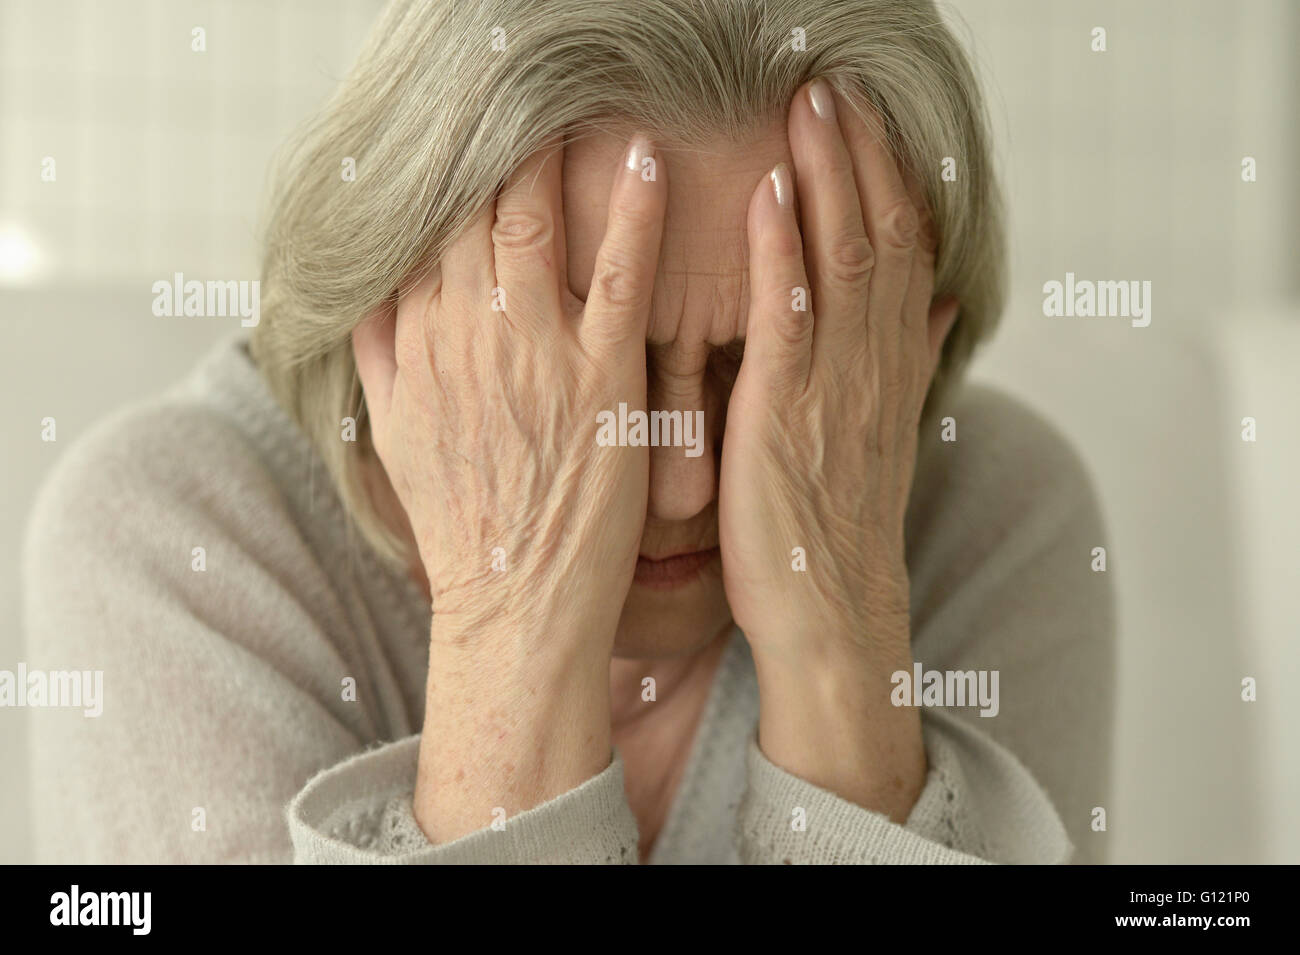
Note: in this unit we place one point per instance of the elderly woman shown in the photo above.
(597, 486)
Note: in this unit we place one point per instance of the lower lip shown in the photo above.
(672, 571)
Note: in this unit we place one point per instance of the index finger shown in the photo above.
(618, 304)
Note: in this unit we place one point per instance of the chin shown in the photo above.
(661, 623)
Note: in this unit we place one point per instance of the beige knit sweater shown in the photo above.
(226, 734)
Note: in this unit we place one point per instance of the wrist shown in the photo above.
(830, 721)
(513, 718)
(532, 625)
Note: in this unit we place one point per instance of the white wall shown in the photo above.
(1127, 165)
(1118, 165)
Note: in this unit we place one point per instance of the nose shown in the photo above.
(682, 482)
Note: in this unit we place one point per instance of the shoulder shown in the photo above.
(989, 442)
(1001, 497)
(1004, 527)
(163, 555)
(147, 469)
(167, 516)
(213, 456)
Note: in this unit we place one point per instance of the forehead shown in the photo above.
(701, 289)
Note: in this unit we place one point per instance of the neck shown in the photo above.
(680, 687)
(655, 738)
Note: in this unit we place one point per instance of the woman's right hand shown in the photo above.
(483, 383)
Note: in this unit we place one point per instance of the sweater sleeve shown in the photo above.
(162, 554)
(1002, 527)
(360, 811)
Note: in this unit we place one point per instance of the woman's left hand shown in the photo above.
(819, 451)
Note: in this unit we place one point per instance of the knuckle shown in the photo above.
(852, 259)
(901, 224)
(793, 328)
(614, 282)
(520, 229)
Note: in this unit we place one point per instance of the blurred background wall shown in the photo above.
(1123, 164)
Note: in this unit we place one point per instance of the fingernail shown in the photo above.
(822, 100)
(781, 185)
(637, 153)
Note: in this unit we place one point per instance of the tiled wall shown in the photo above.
(161, 152)
(1124, 161)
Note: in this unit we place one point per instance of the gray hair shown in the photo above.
(435, 120)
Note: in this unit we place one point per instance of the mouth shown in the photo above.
(666, 573)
